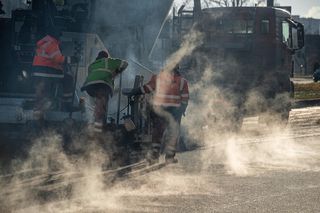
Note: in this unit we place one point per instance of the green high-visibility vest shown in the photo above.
(103, 71)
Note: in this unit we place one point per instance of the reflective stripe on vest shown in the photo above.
(45, 55)
(170, 96)
(48, 75)
(157, 103)
(177, 97)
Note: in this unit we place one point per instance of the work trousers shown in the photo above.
(47, 91)
(165, 119)
(101, 94)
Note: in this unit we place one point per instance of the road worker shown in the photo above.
(100, 84)
(48, 73)
(170, 100)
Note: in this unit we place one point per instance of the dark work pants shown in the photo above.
(165, 119)
(47, 91)
(101, 93)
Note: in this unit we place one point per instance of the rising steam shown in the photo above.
(209, 124)
(191, 41)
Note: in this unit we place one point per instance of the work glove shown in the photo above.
(132, 92)
(122, 68)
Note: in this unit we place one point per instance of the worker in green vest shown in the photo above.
(100, 84)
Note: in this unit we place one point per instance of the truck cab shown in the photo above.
(249, 51)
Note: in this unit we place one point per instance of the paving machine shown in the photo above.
(18, 127)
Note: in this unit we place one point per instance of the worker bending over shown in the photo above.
(100, 84)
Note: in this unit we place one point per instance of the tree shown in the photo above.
(228, 3)
(232, 3)
(221, 3)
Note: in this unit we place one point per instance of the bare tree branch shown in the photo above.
(260, 2)
(227, 3)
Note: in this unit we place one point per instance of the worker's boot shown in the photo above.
(170, 159)
(40, 107)
(47, 104)
(95, 131)
(152, 157)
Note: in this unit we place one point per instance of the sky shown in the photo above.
(304, 8)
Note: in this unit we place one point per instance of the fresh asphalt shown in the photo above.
(286, 179)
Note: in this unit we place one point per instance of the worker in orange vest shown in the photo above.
(47, 72)
(170, 100)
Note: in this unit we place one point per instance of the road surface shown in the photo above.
(273, 170)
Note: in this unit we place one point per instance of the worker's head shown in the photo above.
(102, 54)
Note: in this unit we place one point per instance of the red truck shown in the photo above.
(249, 51)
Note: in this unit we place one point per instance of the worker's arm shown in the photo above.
(116, 65)
(147, 88)
(123, 65)
(150, 86)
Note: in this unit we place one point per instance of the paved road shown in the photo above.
(277, 170)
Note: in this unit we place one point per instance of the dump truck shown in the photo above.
(249, 51)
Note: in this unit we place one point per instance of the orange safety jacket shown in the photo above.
(48, 55)
(170, 90)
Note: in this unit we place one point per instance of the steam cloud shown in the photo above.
(211, 121)
(211, 111)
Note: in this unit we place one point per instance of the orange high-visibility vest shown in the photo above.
(169, 89)
(48, 54)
